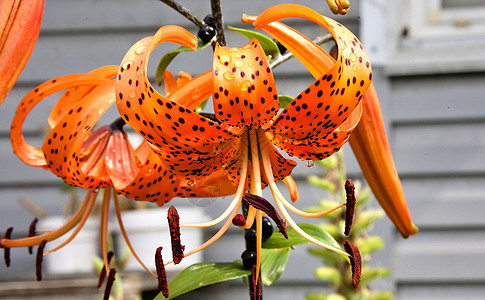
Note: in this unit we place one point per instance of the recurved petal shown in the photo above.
(20, 23)
(188, 142)
(62, 147)
(244, 89)
(153, 182)
(73, 95)
(371, 148)
(27, 153)
(169, 82)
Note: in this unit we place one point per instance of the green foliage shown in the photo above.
(168, 57)
(273, 264)
(269, 46)
(284, 100)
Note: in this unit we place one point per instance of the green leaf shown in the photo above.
(329, 274)
(322, 183)
(315, 296)
(168, 57)
(369, 244)
(268, 45)
(284, 100)
(273, 264)
(385, 295)
(277, 240)
(328, 163)
(202, 274)
(374, 273)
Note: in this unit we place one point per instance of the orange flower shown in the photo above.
(241, 140)
(20, 23)
(369, 141)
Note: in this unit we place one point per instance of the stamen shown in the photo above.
(103, 231)
(239, 220)
(259, 241)
(38, 260)
(125, 235)
(281, 207)
(249, 218)
(109, 283)
(6, 251)
(350, 203)
(174, 225)
(32, 232)
(87, 212)
(262, 204)
(292, 188)
(102, 274)
(161, 274)
(355, 261)
(52, 235)
(239, 194)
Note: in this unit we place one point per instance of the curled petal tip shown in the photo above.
(371, 148)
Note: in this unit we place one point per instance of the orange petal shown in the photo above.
(188, 142)
(121, 163)
(73, 95)
(92, 153)
(371, 148)
(183, 78)
(216, 184)
(244, 89)
(194, 92)
(169, 82)
(27, 153)
(153, 182)
(20, 23)
(62, 148)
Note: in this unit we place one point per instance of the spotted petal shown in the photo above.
(244, 88)
(27, 153)
(188, 143)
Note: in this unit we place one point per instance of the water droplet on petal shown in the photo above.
(353, 57)
(229, 75)
(309, 163)
(127, 64)
(225, 59)
(140, 50)
(239, 63)
(191, 183)
(132, 94)
(354, 67)
(245, 85)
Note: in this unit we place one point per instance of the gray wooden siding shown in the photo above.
(436, 125)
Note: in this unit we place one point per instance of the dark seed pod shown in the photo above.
(248, 258)
(250, 238)
(209, 20)
(206, 33)
(267, 228)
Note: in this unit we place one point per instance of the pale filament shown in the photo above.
(281, 207)
(292, 188)
(84, 218)
(125, 235)
(52, 235)
(104, 227)
(242, 182)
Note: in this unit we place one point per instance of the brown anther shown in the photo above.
(239, 220)
(174, 225)
(255, 290)
(161, 274)
(350, 205)
(6, 251)
(355, 262)
(38, 260)
(102, 274)
(32, 232)
(109, 283)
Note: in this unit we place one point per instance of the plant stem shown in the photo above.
(218, 22)
(184, 12)
(282, 58)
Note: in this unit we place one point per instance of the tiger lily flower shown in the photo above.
(94, 160)
(242, 139)
(20, 23)
(368, 141)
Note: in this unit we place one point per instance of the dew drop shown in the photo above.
(354, 67)
(132, 94)
(196, 94)
(225, 59)
(245, 85)
(140, 50)
(239, 64)
(229, 75)
(191, 183)
(353, 57)
(309, 163)
(127, 64)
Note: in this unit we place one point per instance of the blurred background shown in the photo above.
(429, 71)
